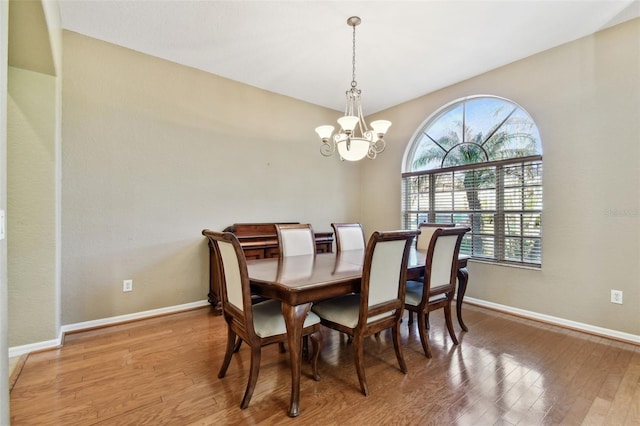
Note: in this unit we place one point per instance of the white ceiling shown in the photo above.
(302, 49)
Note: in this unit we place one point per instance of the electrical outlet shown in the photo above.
(127, 285)
(616, 296)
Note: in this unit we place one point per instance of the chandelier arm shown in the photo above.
(371, 154)
(361, 123)
(379, 145)
(327, 148)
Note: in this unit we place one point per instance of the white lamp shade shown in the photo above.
(348, 122)
(357, 151)
(324, 131)
(380, 127)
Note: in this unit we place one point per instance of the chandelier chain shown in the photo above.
(353, 60)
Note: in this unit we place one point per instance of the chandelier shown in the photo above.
(354, 141)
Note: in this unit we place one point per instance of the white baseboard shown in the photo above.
(38, 346)
(51, 344)
(561, 322)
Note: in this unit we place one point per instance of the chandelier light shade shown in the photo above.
(354, 141)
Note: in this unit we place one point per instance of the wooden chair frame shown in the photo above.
(422, 243)
(365, 328)
(240, 322)
(425, 306)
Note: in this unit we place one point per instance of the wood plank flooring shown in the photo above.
(163, 371)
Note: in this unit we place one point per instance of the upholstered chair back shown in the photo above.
(441, 261)
(349, 236)
(232, 280)
(295, 239)
(384, 271)
(426, 232)
(443, 264)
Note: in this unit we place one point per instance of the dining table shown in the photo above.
(299, 281)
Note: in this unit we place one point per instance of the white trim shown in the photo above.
(131, 317)
(561, 322)
(51, 344)
(25, 349)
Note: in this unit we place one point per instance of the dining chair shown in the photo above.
(258, 324)
(349, 236)
(422, 244)
(295, 239)
(438, 288)
(379, 305)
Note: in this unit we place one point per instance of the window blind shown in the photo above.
(500, 201)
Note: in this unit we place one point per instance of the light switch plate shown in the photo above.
(2, 225)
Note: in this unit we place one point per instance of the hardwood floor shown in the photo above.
(506, 371)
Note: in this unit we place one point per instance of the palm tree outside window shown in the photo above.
(478, 162)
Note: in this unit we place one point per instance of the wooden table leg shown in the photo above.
(463, 277)
(294, 317)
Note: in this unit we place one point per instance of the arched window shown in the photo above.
(478, 162)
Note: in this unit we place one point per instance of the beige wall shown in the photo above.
(31, 214)
(154, 152)
(4, 305)
(33, 171)
(585, 98)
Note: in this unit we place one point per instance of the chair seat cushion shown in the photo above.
(268, 319)
(341, 310)
(344, 310)
(413, 295)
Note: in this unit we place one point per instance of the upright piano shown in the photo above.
(258, 241)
